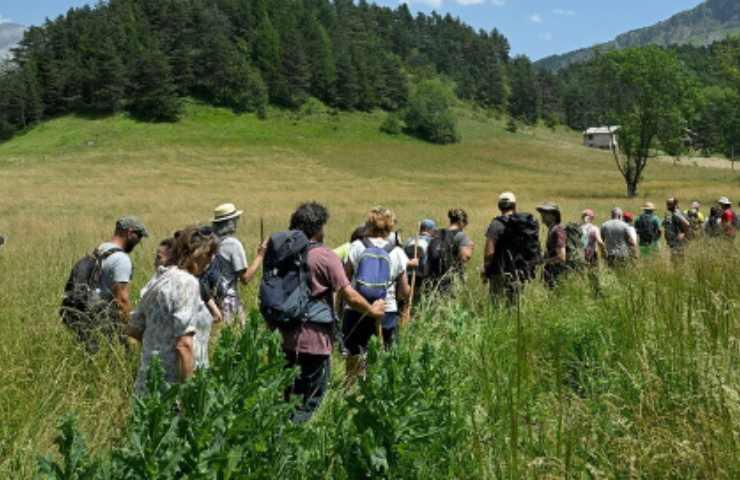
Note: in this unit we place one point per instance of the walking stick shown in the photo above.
(262, 230)
(406, 315)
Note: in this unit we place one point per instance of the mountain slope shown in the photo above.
(709, 22)
(10, 34)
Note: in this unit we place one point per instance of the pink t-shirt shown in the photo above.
(327, 276)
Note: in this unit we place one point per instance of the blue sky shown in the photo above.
(534, 27)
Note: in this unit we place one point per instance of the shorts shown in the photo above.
(233, 311)
(358, 329)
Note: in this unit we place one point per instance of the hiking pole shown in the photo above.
(406, 317)
(262, 230)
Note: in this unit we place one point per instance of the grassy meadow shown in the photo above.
(641, 383)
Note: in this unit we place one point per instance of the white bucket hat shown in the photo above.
(224, 212)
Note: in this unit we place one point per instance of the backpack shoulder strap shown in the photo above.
(389, 248)
(368, 244)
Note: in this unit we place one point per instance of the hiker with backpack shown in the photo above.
(649, 231)
(296, 296)
(729, 219)
(676, 227)
(417, 247)
(449, 251)
(591, 239)
(619, 242)
(172, 321)
(556, 244)
(629, 219)
(713, 225)
(696, 220)
(377, 268)
(96, 295)
(512, 250)
(231, 263)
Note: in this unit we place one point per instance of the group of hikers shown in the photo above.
(367, 285)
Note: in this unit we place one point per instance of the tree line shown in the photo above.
(145, 56)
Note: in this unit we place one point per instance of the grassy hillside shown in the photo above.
(707, 23)
(66, 181)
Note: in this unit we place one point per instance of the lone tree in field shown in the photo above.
(647, 93)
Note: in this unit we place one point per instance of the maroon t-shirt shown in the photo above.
(556, 239)
(326, 276)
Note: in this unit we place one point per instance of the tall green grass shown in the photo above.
(641, 381)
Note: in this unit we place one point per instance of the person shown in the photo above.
(648, 230)
(593, 244)
(342, 251)
(618, 240)
(729, 220)
(629, 219)
(357, 328)
(418, 247)
(512, 250)
(713, 225)
(555, 245)
(163, 258)
(449, 251)
(696, 220)
(171, 321)
(308, 345)
(232, 262)
(676, 227)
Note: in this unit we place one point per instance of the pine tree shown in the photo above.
(267, 54)
(323, 74)
(523, 103)
(293, 83)
(153, 94)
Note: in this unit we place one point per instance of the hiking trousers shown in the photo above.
(311, 383)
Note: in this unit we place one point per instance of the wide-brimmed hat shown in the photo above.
(548, 207)
(224, 212)
(649, 206)
(724, 201)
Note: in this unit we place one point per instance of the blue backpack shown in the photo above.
(373, 275)
(285, 291)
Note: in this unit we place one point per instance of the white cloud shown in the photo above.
(535, 18)
(563, 12)
(4, 19)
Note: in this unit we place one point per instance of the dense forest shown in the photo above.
(143, 56)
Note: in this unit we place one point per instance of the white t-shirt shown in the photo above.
(399, 261)
(232, 260)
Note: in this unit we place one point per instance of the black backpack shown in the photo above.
(443, 254)
(646, 229)
(285, 292)
(81, 303)
(518, 247)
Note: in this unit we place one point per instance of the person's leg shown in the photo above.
(357, 331)
(390, 325)
(311, 384)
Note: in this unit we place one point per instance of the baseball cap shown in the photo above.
(132, 223)
(548, 207)
(507, 197)
(628, 216)
(428, 224)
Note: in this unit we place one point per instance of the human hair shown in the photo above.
(190, 244)
(167, 243)
(617, 213)
(381, 222)
(226, 227)
(358, 234)
(309, 218)
(458, 216)
(506, 205)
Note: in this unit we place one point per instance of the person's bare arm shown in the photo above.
(247, 275)
(403, 289)
(185, 361)
(215, 311)
(121, 297)
(466, 253)
(561, 256)
(358, 303)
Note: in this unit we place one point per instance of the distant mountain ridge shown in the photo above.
(707, 23)
(10, 35)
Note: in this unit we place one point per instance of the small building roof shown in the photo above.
(601, 130)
